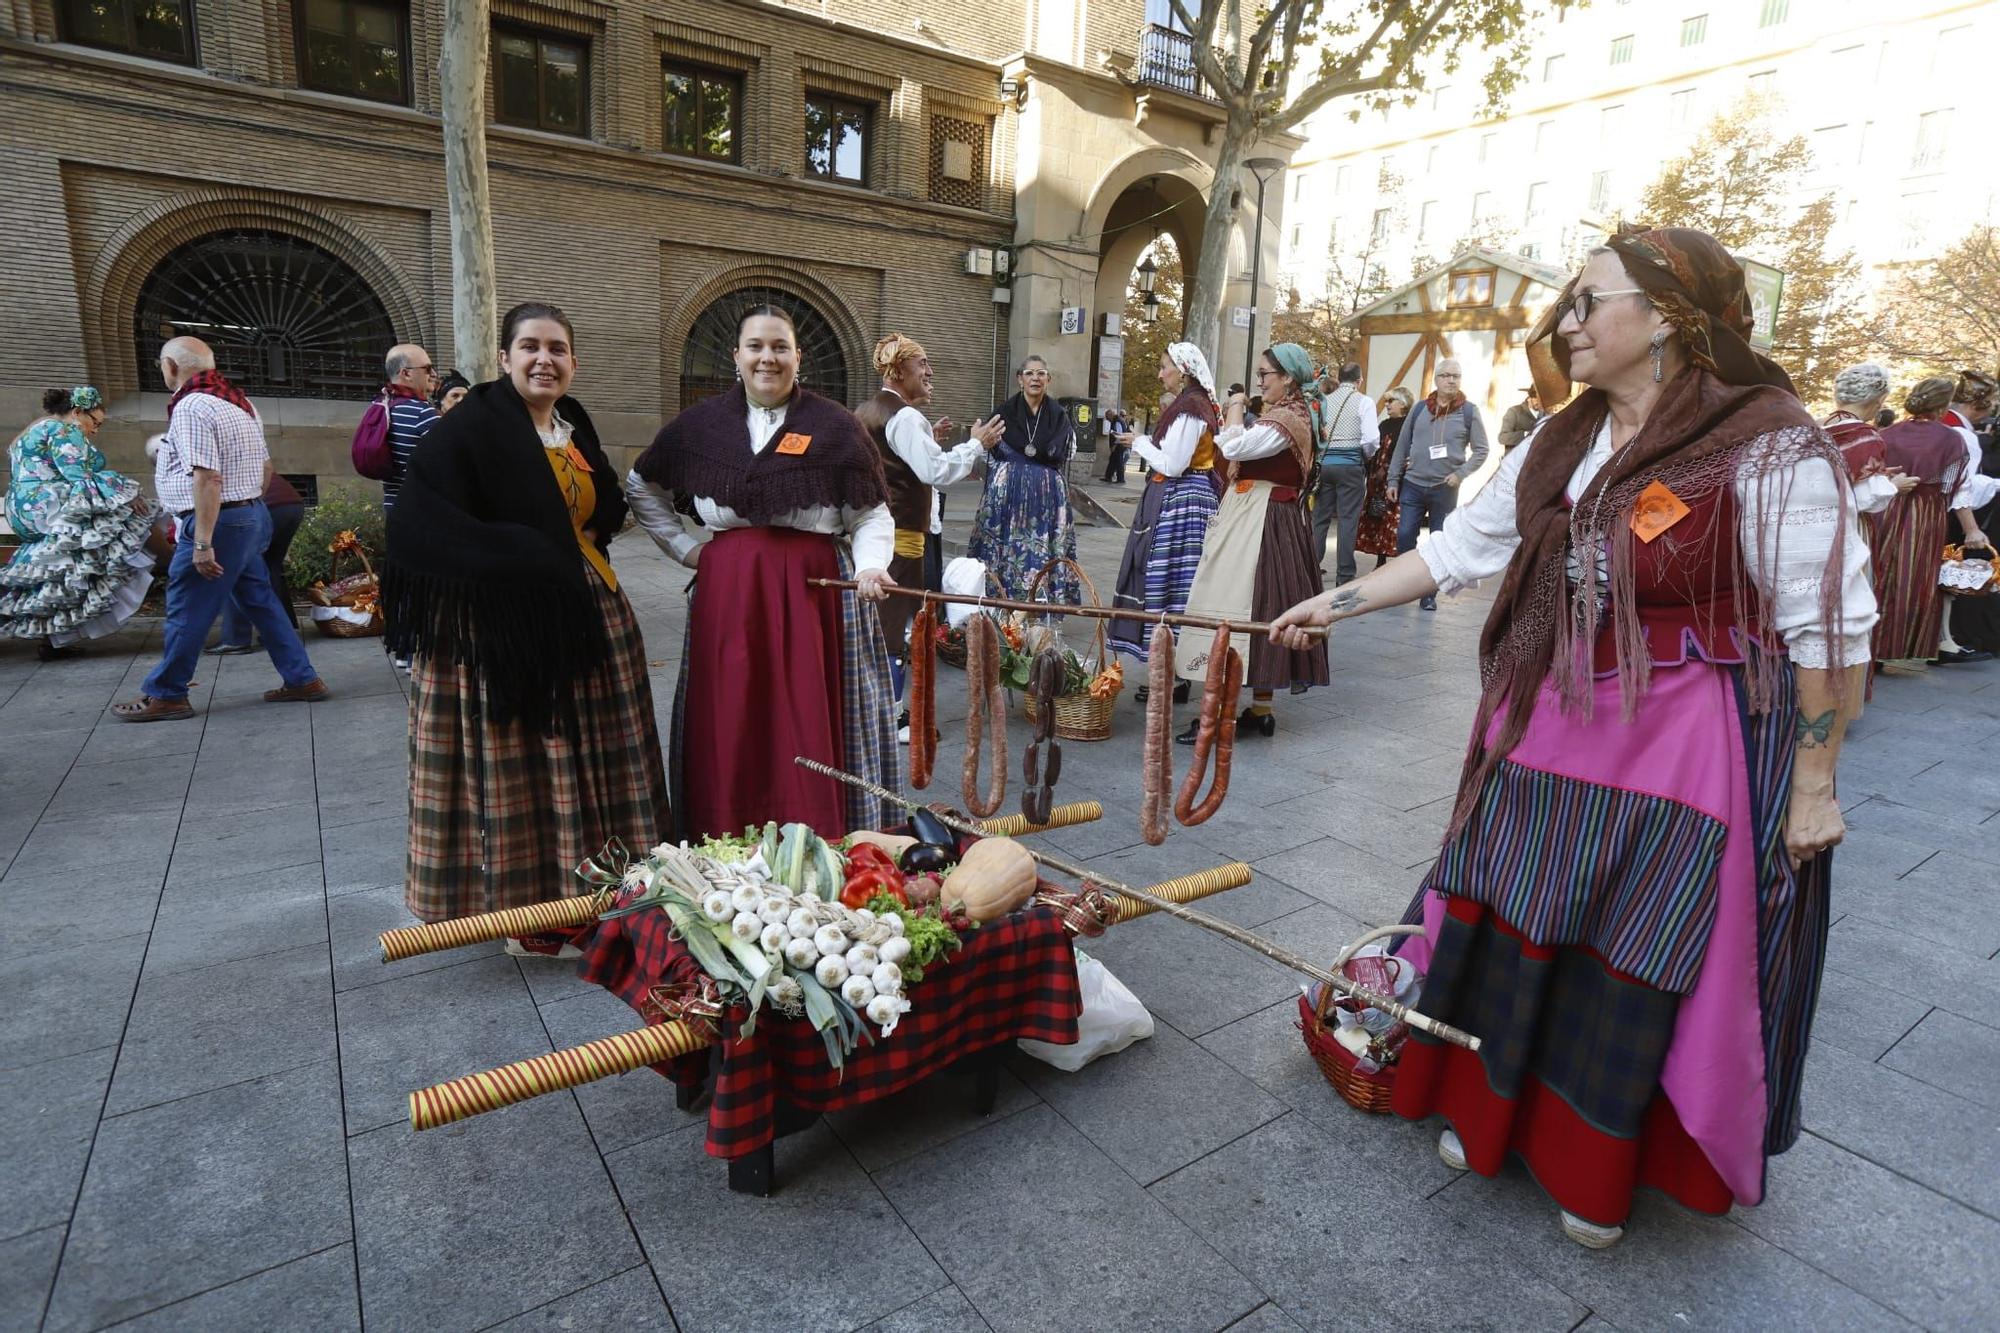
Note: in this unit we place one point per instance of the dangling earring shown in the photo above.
(1659, 346)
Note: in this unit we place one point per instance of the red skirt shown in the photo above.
(762, 685)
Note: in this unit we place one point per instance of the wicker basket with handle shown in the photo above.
(1364, 1091)
(1081, 716)
(336, 604)
(951, 646)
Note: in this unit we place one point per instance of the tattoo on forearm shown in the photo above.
(1346, 602)
(1814, 732)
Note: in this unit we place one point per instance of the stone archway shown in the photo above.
(122, 267)
(845, 338)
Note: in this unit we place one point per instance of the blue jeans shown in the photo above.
(1422, 507)
(285, 521)
(193, 602)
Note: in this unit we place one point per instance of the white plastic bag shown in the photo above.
(1112, 1019)
(967, 578)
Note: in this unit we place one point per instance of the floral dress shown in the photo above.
(82, 569)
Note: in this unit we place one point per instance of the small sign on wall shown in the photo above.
(1072, 319)
(1239, 316)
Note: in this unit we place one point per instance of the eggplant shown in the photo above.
(929, 828)
(926, 858)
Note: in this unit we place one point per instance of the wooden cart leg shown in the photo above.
(986, 1076)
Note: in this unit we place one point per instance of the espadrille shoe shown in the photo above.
(1590, 1235)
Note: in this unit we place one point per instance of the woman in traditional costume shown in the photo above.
(773, 667)
(1024, 519)
(1379, 513)
(1631, 905)
(532, 734)
(1163, 548)
(1915, 528)
(1258, 557)
(81, 569)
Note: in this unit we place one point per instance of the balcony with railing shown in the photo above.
(1167, 60)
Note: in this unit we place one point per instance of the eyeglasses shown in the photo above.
(1263, 375)
(1583, 303)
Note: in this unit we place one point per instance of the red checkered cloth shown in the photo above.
(1014, 978)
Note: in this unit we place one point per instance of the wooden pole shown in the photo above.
(1276, 953)
(1055, 609)
(462, 94)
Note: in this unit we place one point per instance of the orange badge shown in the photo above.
(576, 457)
(794, 443)
(1243, 488)
(1657, 509)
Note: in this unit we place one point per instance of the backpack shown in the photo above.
(372, 456)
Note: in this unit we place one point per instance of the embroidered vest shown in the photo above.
(1685, 583)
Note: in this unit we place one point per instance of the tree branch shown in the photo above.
(1344, 80)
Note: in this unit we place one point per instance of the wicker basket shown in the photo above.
(1368, 1092)
(342, 595)
(951, 651)
(1081, 716)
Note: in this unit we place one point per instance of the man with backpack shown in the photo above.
(1352, 437)
(1442, 443)
(395, 422)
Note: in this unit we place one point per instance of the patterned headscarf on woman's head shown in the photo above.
(1697, 287)
(85, 398)
(1189, 358)
(1975, 389)
(1292, 359)
(892, 350)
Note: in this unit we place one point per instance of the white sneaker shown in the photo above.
(1590, 1235)
(902, 735)
(1452, 1151)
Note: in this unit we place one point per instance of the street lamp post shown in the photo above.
(1263, 168)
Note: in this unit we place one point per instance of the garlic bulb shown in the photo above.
(887, 977)
(786, 993)
(830, 940)
(894, 950)
(831, 970)
(801, 923)
(801, 953)
(747, 898)
(861, 960)
(864, 916)
(857, 991)
(894, 921)
(774, 939)
(718, 907)
(884, 1010)
(775, 911)
(746, 926)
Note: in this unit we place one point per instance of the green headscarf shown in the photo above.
(1292, 359)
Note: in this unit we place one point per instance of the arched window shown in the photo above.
(708, 364)
(286, 318)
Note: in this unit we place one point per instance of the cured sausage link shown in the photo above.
(923, 696)
(1158, 774)
(1216, 735)
(985, 704)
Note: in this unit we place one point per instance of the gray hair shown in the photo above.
(190, 354)
(395, 364)
(1861, 384)
(1022, 369)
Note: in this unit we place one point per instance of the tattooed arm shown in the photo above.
(1827, 700)
(1403, 579)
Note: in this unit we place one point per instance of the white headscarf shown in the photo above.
(1189, 358)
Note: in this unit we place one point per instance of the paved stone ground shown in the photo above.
(203, 1064)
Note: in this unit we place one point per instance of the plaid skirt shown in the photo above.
(501, 815)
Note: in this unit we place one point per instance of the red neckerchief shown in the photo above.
(1441, 409)
(403, 391)
(213, 383)
(1951, 416)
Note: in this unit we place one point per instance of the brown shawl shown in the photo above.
(1293, 418)
(1729, 416)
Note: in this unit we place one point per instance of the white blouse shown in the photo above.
(1479, 539)
(1240, 445)
(872, 530)
(1171, 456)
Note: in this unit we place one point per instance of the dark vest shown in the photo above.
(1685, 584)
(909, 499)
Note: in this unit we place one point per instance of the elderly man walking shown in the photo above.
(1442, 443)
(408, 380)
(1352, 437)
(211, 471)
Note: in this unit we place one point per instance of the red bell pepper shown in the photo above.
(871, 870)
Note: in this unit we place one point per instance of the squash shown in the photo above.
(995, 876)
(893, 843)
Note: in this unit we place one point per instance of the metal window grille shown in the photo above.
(708, 358)
(286, 318)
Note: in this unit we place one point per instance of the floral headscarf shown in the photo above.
(85, 398)
(1189, 358)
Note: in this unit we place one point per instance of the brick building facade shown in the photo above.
(269, 173)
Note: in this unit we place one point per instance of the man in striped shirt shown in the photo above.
(409, 378)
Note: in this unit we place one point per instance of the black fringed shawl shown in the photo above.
(706, 451)
(483, 568)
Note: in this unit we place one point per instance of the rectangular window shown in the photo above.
(1600, 191)
(1340, 180)
(1425, 216)
(837, 138)
(1951, 58)
(702, 107)
(1694, 31)
(159, 29)
(1438, 96)
(1378, 229)
(958, 161)
(1470, 289)
(1764, 83)
(356, 48)
(1538, 195)
(541, 81)
(1621, 50)
(1297, 232)
(1680, 109)
(1298, 187)
(1917, 211)
(1487, 143)
(1544, 137)
(1431, 159)
(1611, 124)
(1551, 68)
(1773, 13)
(1928, 155)
(1830, 147)
(1482, 206)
